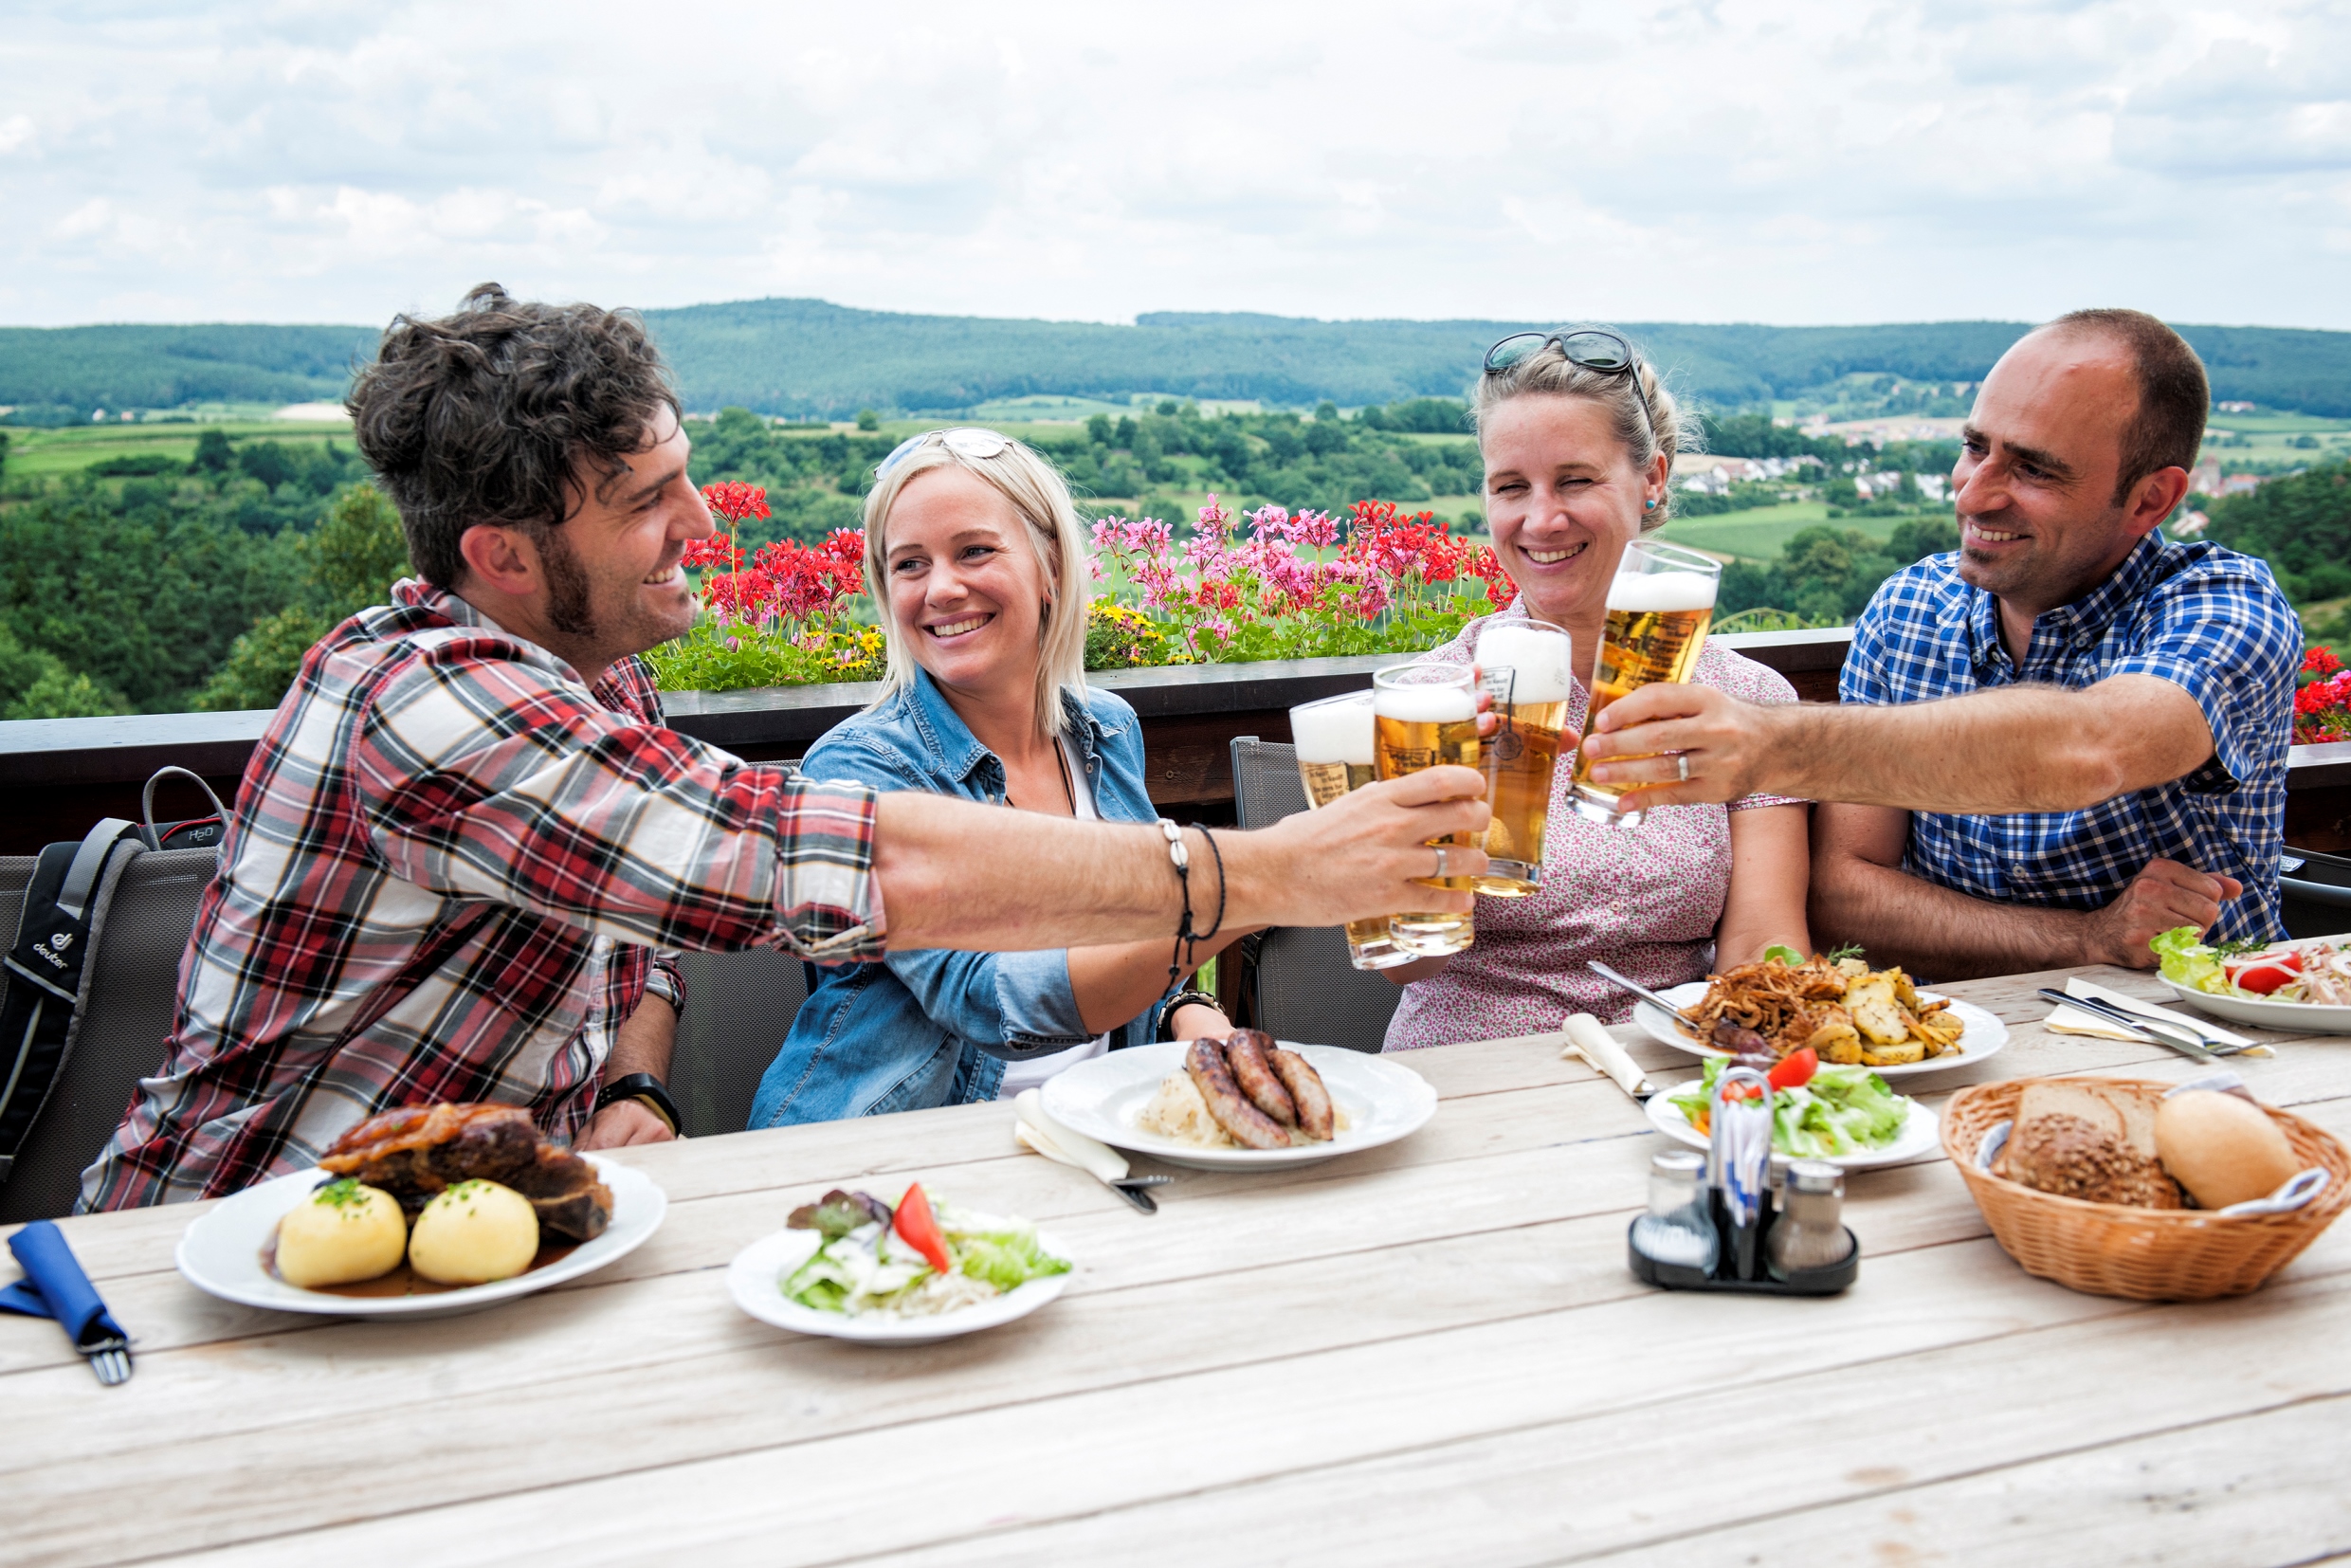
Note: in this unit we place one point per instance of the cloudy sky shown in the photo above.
(1797, 161)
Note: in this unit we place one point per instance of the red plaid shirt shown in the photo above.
(449, 869)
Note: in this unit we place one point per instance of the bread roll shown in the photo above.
(341, 1234)
(2221, 1148)
(2073, 1139)
(473, 1234)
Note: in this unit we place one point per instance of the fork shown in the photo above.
(1136, 1191)
(109, 1357)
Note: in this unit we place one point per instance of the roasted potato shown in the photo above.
(1835, 1039)
(1876, 1014)
(1894, 1056)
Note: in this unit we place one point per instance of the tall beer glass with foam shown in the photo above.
(1524, 665)
(1426, 716)
(1334, 740)
(1658, 608)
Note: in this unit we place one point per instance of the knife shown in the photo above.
(1646, 995)
(2156, 1031)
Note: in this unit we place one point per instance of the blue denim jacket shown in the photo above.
(935, 1027)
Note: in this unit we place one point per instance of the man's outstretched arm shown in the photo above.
(1860, 894)
(2029, 748)
(957, 874)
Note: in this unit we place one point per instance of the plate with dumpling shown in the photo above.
(1243, 1101)
(423, 1211)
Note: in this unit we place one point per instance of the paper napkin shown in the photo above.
(2072, 1020)
(1588, 1041)
(1039, 1132)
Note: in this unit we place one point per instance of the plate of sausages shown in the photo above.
(1241, 1102)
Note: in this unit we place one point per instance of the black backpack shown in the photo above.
(47, 972)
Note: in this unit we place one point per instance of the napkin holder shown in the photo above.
(1740, 1255)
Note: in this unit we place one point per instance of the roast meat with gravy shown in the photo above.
(416, 1151)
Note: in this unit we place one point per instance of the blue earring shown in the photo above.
(1649, 506)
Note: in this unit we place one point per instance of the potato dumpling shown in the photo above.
(473, 1234)
(343, 1233)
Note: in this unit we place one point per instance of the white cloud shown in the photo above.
(1793, 160)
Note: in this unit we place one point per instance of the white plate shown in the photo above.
(1918, 1137)
(756, 1279)
(221, 1253)
(1984, 1036)
(1101, 1098)
(2300, 1017)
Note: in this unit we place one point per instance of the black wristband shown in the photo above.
(644, 1088)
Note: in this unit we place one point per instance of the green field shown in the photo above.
(34, 453)
(1760, 534)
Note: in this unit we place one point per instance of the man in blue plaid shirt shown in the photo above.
(2065, 738)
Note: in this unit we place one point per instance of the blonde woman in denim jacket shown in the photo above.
(978, 559)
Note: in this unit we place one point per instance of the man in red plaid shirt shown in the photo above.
(466, 846)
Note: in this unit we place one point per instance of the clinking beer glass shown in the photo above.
(1426, 716)
(1524, 667)
(1335, 744)
(1658, 608)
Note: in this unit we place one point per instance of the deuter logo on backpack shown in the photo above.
(53, 951)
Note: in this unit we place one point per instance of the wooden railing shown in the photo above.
(58, 776)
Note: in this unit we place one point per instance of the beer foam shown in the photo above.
(1539, 659)
(1335, 732)
(1431, 704)
(1649, 591)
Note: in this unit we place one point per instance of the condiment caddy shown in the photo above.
(1712, 1223)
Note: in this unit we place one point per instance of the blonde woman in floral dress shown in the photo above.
(1578, 463)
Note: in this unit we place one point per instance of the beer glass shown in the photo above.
(1426, 716)
(1524, 667)
(1335, 750)
(1658, 608)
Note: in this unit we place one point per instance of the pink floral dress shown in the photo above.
(1643, 900)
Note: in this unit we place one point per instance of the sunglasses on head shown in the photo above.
(964, 441)
(1594, 348)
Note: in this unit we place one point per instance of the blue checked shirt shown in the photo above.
(2210, 621)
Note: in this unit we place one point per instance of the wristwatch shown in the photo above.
(646, 1090)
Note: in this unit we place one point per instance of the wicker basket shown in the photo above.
(2146, 1254)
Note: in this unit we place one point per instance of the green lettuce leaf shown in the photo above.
(2187, 961)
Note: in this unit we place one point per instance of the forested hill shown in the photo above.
(806, 356)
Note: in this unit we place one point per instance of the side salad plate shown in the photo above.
(2290, 986)
(1983, 1037)
(1845, 1116)
(851, 1267)
(1376, 1100)
(221, 1252)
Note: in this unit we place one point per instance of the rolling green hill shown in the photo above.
(808, 358)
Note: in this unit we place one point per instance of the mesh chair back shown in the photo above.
(738, 1008)
(120, 1038)
(1306, 990)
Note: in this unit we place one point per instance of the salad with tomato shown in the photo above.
(1820, 1110)
(915, 1259)
(2316, 972)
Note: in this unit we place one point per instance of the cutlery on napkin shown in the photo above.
(1035, 1130)
(2072, 1020)
(55, 1286)
(1588, 1041)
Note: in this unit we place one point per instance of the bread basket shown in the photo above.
(2145, 1254)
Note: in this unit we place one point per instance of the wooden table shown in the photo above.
(1430, 1353)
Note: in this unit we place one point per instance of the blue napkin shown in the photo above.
(54, 1285)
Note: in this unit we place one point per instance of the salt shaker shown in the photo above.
(1677, 1228)
(1811, 1229)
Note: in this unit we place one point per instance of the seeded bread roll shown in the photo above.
(2074, 1142)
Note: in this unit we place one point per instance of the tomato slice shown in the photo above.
(919, 1229)
(1796, 1069)
(2266, 976)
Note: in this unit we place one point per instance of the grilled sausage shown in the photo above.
(1247, 1052)
(1248, 1127)
(1307, 1091)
